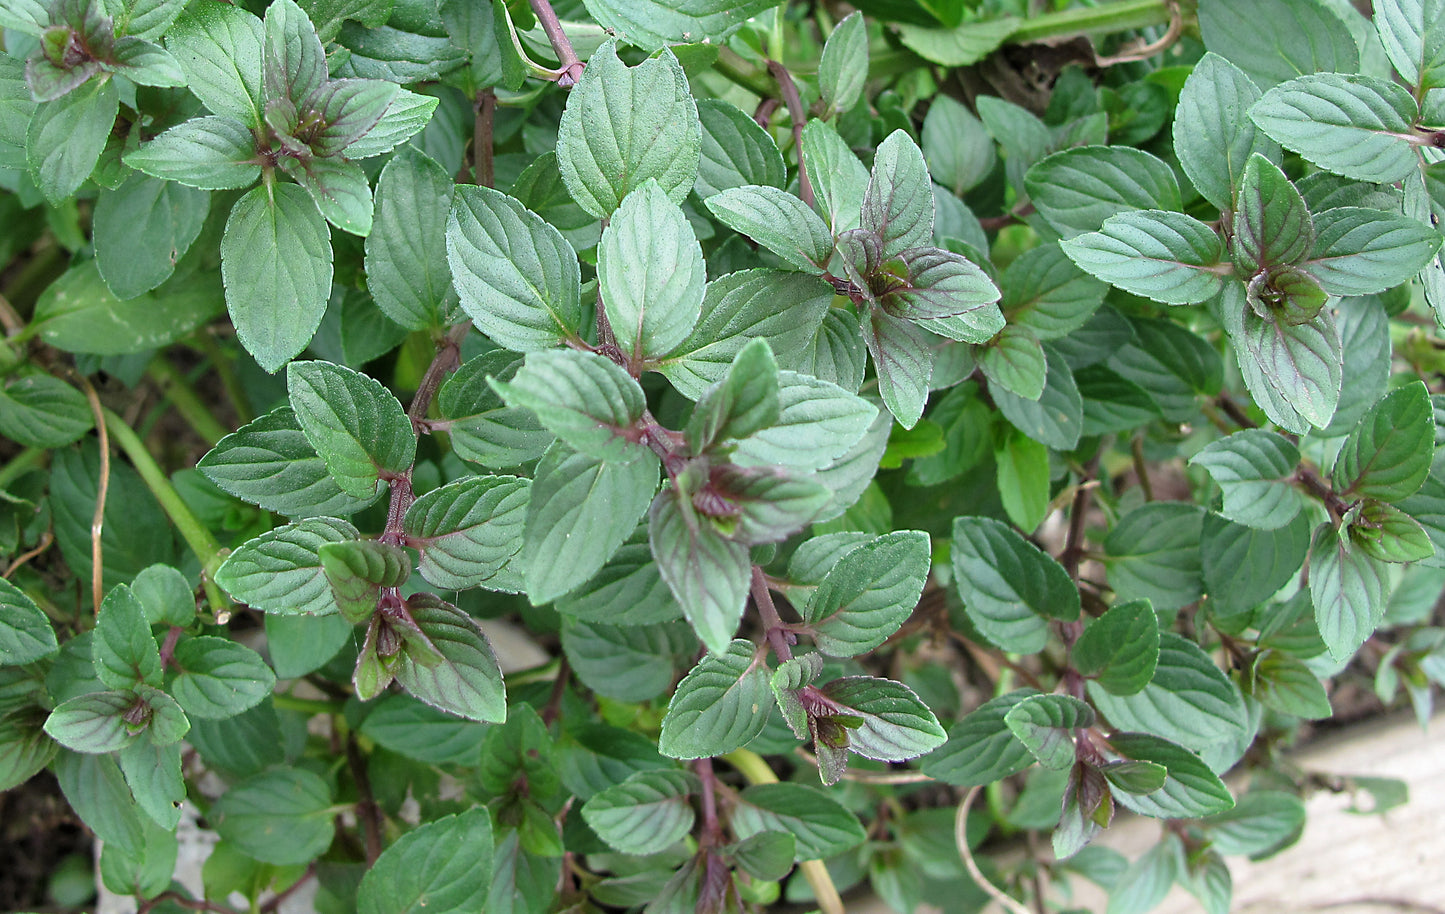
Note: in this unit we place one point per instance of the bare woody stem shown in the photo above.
(570, 65)
(482, 131)
(799, 117)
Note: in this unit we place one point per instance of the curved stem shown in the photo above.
(187, 402)
(752, 767)
(97, 520)
(960, 838)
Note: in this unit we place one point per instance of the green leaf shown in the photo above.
(1303, 36)
(651, 274)
(1212, 141)
(455, 670)
(1244, 566)
(628, 590)
(298, 645)
(294, 63)
(1045, 725)
(25, 632)
(1153, 553)
(959, 151)
(1388, 454)
(838, 178)
(1413, 33)
(1254, 469)
(339, 189)
(219, 47)
(1359, 251)
(517, 277)
(66, 137)
(962, 46)
(585, 399)
(903, 361)
(624, 125)
(1046, 292)
(1173, 364)
(269, 462)
(354, 423)
(1120, 649)
(153, 774)
(645, 814)
(1348, 589)
(1056, 418)
(1387, 533)
(778, 221)
(627, 662)
(282, 816)
(358, 570)
(581, 510)
(981, 748)
(1078, 189)
(519, 749)
(276, 264)
(735, 150)
(1135, 777)
(1272, 226)
(1284, 683)
(1169, 257)
(1009, 587)
(95, 723)
(948, 295)
(78, 313)
(1354, 126)
(280, 570)
(1189, 701)
(1261, 820)
(895, 723)
(406, 259)
(482, 427)
(707, 573)
(1023, 479)
(720, 706)
(40, 410)
(820, 824)
(217, 679)
(141, 229)
(783, 308)
(898, 202)
(124, 651)
(407, 114)
(1302, 362)
(652, 24)
(466, 531)
(443, 867)
(408, 727)
(1190, 791)
(817, 423)
(745, 401)
(868, 593)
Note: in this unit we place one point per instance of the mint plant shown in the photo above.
(674, 457)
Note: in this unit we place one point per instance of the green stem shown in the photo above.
(197, 537)
(26, 460)
(743, 72)
(284, 702)
(226, 372)
(1099, 20)
(183, 397)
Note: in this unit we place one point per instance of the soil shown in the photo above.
(37, 832)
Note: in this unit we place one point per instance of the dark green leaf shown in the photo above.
(517, 277)
(625, 125)
(1190, 791)
(276, 264)
(95, 723)
(652, 24)
(1078, 189)
(141, 229)
(1010, 588)
(735, 150)
(822, 827)
(217, 679)
(651, 274)
(1348, 589)
(358, 570)
(744, 402)
(406, 259)
(1261, 820)
(959, 151)
(280, 570)
(903, 361)
(354, 423)
(1120, 649)
(1356, 126)
(1212, 140)
(632, 663)
(39, 410)
(66, 137)
(981, 748)
(1153, 553)
(464, 679)
(1360, 251)
(1283, 683)
(778, 221)
(468, 530)
(898, 203)
(1272, 226)
(1045, 725)
(1388, 454)
(817, 423)
(482, 427)
(25, 632)
(585, 399)
(895, 723)
(868, 593)
(645, 814)
(843, 68)
(1244, 566)
(707, 573)
(443, 867)
(79, 313)
(1254, 469)
(580, 511)
(1169, 257)
(718, 707)
(124, 651)
(282, 816)
(1304, 37)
